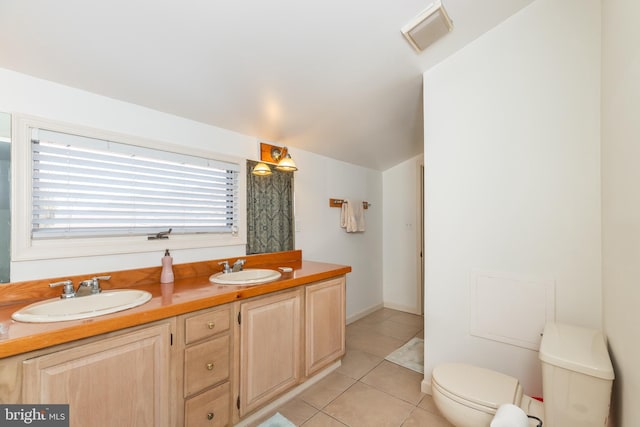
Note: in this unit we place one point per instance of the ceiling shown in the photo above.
(336, 78)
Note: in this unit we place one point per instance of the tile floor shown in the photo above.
(367, 390)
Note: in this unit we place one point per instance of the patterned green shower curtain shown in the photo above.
(269, 211)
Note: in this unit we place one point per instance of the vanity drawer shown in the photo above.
(205, 364)
(209, 409)
(206, 324)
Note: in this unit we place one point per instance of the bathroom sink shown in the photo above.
(249, 276)
(59, 310)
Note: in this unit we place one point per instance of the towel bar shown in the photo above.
(337, 203)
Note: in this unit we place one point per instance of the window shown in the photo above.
(102, 193)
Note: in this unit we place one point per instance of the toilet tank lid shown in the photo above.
(478, 385)
(577, 349)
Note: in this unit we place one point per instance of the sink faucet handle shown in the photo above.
(95, 283)
(67, 291)
(237, 266)
(225, 266)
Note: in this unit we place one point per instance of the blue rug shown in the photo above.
(277, 421)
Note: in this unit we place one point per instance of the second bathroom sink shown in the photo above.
(249, 276)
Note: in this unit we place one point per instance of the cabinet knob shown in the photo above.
(211, 325)
(210, 416)
(210, 366)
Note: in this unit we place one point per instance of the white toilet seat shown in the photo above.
(469, 396)
(461, 401)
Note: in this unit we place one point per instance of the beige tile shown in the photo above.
(407, 319)
(297, 411)
(327, 389)
(399, 382)
(379, 315)
(428, 404)
(373, 343)
(359, 327)
(422, 418)
(362, 405)
(357, 363)
(397, 330)
(323, 420)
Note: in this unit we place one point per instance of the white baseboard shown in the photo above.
(425, 386)
(403, 308)
(287, 396)
(363, 313)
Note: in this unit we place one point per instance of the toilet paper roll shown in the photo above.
(509, 415)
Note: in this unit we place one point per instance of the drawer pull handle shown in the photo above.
(210, 366)
(211, 325)
(210, 416)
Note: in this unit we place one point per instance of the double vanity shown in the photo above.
(196, 353)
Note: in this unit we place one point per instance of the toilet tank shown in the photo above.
(577, 376)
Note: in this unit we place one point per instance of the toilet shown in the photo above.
(577, 377)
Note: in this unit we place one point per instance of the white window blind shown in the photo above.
(86, 187)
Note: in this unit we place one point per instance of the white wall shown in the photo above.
(512, 183)
(621, 200)
(319, 225)
(318, 178)
(401, 235)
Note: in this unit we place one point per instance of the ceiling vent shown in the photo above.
(428, 27)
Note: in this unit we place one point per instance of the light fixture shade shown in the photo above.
(428, 26)
(287, 164)
(261, 169)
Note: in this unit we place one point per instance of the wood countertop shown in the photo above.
(191, 291)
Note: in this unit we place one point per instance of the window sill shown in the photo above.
(66, 248)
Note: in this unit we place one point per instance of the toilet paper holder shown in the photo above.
(510, 415)
(537, 419)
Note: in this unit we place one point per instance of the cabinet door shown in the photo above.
(118, 381)
(325, 323)
(270, 347)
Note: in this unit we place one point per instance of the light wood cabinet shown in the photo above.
(325, 324)
(270, 348)
(121, 380)
(211, 367)
(204, 354)
(208, 409)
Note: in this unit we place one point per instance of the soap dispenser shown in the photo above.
(167, 268)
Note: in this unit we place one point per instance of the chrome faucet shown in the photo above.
(67, 291)
(237, 266)
(225, 266)
(90, 286)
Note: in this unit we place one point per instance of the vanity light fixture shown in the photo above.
(261, 169)
(286, 164)
(277, 156)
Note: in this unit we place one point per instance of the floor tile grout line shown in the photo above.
(391, 395)
(363, 330)
(414, 405)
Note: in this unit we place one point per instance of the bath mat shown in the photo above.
(277, 421)
(410, 355)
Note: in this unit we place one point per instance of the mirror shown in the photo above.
(5, 195)
(270, 220)
(270, 223)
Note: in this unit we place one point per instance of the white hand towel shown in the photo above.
(344, 214)
(352, 216)
(509, 415)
